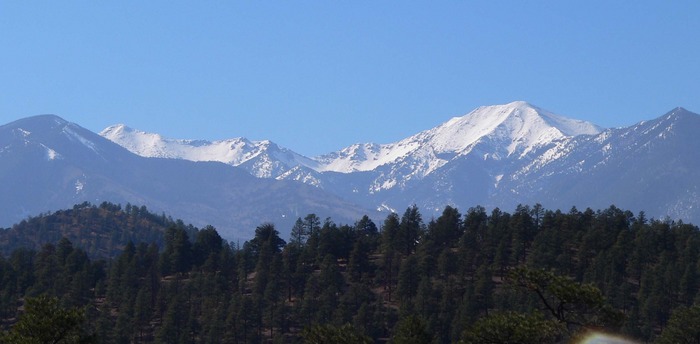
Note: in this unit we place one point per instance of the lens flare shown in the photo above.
(603, 338)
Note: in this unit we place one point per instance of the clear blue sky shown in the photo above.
(316, 76)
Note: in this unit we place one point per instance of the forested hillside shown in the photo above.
(102, 231)
(534, 275)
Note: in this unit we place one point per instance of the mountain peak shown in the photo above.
(117, 128)
(520, 104)
(56, 138)
(673, 118)
(678, 119)
(516, 127)
(119, 132)
(519, 125)
(38, 122)
(514, 107)
(261, 158)
(681, 112)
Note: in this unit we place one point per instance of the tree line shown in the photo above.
(530, 276)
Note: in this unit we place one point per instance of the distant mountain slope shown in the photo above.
(517, 126)
(652, 166)
(263, 159)
(514, 128)
(495, 156)
(47, 163)
(459, 162)
(499, 156)
(501, 132)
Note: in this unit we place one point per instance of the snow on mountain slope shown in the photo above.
(585, 154)
(59, 139)
(520, 124)
(263, 159)
(652, 166)
(47, 163)
(514, 128)
(495, 156)
(499, 132)
(364, 156)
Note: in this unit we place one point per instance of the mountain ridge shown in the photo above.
(254, 156)
(495, 156)
(501, 155)
(47, 163)
(443, 139)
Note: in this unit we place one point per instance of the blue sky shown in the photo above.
(316, 76)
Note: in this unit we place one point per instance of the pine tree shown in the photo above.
(412, 330)
(408, 279)
(389, 249)
(410, 231)
(510, 327)
(323, 334)
(359, 264)
(45, 321)
(684, 327)
(298, 235)
(446, 230)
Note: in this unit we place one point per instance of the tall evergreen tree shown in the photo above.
(410, 231)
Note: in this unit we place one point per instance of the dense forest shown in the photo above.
(531, 276)
(101, 231)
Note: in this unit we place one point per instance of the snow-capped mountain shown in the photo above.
(474, 159)
(263, 159)
(47, 163)
(508, 131)
(495, 156)
(511, 129)
(652, 166)
(501, 133)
